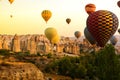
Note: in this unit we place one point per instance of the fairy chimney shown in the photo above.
(32, 46)
(16, 44)
(5, 44)
(47, 47)
(1, 41)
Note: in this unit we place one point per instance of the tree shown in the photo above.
(107, 63)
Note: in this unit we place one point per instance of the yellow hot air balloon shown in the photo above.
(50, 33)
(56, 39)
(46, 14)
(11, 1)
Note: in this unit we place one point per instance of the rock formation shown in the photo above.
(19, 71)
(5, 44)
(1, 41)
(32, 46)
(16, 44)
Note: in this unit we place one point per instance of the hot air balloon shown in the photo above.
(11, 1)
(89, 37)
(90, 8)
(46, 14)
(56, 39)
(68, 20)
(118, 3)
(50, 33)
(102, 25)
(113, 40)
(119, 30)
(11, 16)
(77, 34)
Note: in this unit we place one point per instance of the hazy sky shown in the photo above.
(27, 15)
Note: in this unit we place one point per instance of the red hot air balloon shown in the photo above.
(90, 8)
(118, 3)
(102, 25)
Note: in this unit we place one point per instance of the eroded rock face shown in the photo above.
(19, 71)
(16, 44)
(32, 46)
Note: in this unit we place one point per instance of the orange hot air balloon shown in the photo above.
(68, 20)
(118, 3)
(90, 8)
(11, 1)
(77, 34)
(46, 14)
(102, 25)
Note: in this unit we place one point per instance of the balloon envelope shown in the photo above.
(68, 20)
(11, 1)
(55, 40)
(11, 16)
(89, 37)
(50, 33)
(90, 8)
(119, 30)
(46, 15)
(102, 25)
(118, 3)
(113, 40)
(77, 34)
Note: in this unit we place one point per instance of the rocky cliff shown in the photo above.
(19, 71)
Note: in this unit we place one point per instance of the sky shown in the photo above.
(27, 17)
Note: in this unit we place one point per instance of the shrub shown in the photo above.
(49, 55)
(4, 52)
